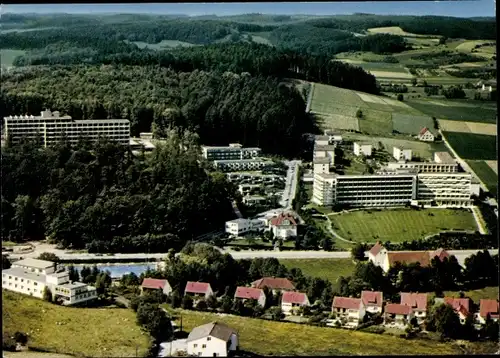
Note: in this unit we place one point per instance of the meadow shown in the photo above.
(453, 110)
(329, 269)
(77, 331)
(7, 56)
(411, 124)
(468, 127)
(397, 225)
(473, 146)
(486, 174)
(487, 293)
(163, 45)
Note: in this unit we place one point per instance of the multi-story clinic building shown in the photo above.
(31, 276)
(234, 151)
(51, 128)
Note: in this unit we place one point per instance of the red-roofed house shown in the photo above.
(460, 305)
(397, 314)
(274, 283)
(426, 135)
(250, 293)
(377, 254)
(290, 301)
(150, 284)
(350, 309)
(283, 226)
(487, 307)
(417, 302)
(440, 253)
(198, 289)
(372, 300)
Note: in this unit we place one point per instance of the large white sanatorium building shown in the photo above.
(234, 151)
(31, 276)
(51, 128)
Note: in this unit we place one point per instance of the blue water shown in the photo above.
(119, 270)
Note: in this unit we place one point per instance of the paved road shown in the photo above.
(290, 184)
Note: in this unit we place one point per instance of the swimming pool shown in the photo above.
(118, 270)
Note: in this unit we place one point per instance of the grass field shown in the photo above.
(7, 56)
(493, 164)
(486, 174)
(329, 269)
(279, 338)
(411, 124)
(164, 44)
(455, 111)
(490, 293)
(84, 332)
(486, 51)
(400, 224)
(375, 122)
(473, 146)
(468, 127)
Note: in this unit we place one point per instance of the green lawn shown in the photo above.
(464, 111)
(7, 56)
(84, 331)
(375, 122)
(490, 293)
(279, 338)
(329, 269)
(472, 145)
(486, 174)
(411, 124)
(399, 224)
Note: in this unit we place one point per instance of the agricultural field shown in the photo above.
(487, 293)
(329, 269)
(396, 30)
(163, 45)
(484, 51)
(493, 164)
(411, 124)
(275, 338)
(400, 224)
(468, 127)
(486, 173)
(473, 146)
(7, 56)
(375, 122)
(81, 331)
(454, 110)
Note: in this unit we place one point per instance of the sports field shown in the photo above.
(329, 269)
(473, 146)
(468, 127)
(454, 110)
(399, 224)
(487, 175)
(411, 124)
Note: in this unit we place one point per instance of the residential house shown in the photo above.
(275, 284)
(283, 226)
(425, 135)
(291, 301)
(487, 308)
(401, 154)
(153, 284)
(373, 301)
(212, 340)
(362, 149)
(198, 289)
(377, 254)
(460, 305)
(350, 310)
(417, 302)
(398, 315)
(251, 293)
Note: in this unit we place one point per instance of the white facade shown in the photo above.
(362, 149)
(425, 167)
(232, 152)
(426, 136)
(401, 154)
(452, 189)
(290, 308)
(321, 165)
(284, 230)
(212, 347)
(321, 140)
(254, 199)
(353, 316)
(239, 227)
(236, 165)
(50, 128)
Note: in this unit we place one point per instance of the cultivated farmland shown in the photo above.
(468, 127)
(400, 224)
(411, 124)
(375, 122)
(455, 110)
(487, 175)
(472, 146)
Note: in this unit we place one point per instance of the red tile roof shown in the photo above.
(423, 130)
(460, 305)
(153, 283)
(376, 248)
(488, 306)
(197, 287)
(407, 257)
(394, 308)
(274, 283)
(440, 253)
(294, 297)
(417, 301)
(278, 220)
(248, 293)
(372, 298)
(346, 302)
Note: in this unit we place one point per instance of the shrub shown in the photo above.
(8, 343)
(21, 338)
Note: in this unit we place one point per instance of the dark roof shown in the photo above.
(213, 329)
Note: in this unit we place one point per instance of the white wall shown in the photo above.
(212, 346)
(24, 286)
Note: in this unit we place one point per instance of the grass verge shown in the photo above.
(329, 269)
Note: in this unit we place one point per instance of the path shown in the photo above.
(309, 97)
(479, 220)
(335, 235)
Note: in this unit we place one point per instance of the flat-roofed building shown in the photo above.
(321, 165)
(362, 149)
(443, 157)
(401, 154)
(333, 137)
(324, 189)
(231, 152)
(321, 140)
(239, 227)
(236, 165)
(425, 167)
(450, 189)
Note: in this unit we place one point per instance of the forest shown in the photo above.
(102, 196)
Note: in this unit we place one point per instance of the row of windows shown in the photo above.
(15, 286)
(22, 280)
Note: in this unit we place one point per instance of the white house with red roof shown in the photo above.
(397, 315)
(460, 305)
(152, 284)
(373, 301)
(425, 135)
(417, 302)
(349, 309)
(251, 293)
(198, 289)
(276, 284)
(283, 226)
(377, 254)
(292, 300)
(487, 308)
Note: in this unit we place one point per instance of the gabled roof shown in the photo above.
(248, 293)
(440, 253)
(294, 297)
(347, 303)
(394, 308)
(213, 329)
(278, 220)
(488, 306)
(197, 287)
(372, 298)
(274, 283)
(460, 305)
(153, 283)
(424, 130)
(408, 257)
(376, 248)
(417, 301)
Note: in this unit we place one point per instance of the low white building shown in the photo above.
(239, 227)
(236, 165)
(283, 226)
(362, 149)
(291, 301)
(321, 140)
(333, 137)
(212, 340)
(401, 154)
(254, 200)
